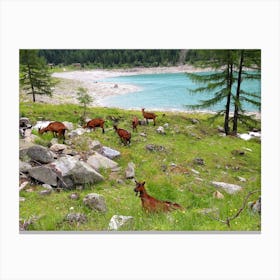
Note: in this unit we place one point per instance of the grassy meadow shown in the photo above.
(170, 174)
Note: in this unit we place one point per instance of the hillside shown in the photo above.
(179, 165)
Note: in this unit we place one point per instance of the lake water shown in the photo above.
(168, 91)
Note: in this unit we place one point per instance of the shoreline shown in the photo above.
(66, 90)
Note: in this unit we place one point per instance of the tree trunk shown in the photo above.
(229, 78)
(31, 83)
(236, 105)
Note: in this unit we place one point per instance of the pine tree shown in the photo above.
(35, 77)
(219, 81)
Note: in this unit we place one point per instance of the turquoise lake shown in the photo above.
(168, 91)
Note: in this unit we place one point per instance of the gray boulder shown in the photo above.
(130, 171)
(109, 153)
(118, 221)
(40, 154)
(69, 125)
(24, 166)
(58, 148)
(44, 174)
(95, 202)
(73, 172)
(95, 145)
(98, 161)
(229, 188)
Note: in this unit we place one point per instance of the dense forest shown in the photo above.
(103, 58)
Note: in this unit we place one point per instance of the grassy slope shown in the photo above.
(183, 142)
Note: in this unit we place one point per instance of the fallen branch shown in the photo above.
(229, 219)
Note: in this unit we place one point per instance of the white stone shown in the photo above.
(229, 188)
(98, 161)
(118, 221)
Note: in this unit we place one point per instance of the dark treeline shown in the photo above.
(114, 58)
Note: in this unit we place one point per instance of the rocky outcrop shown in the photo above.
(72, 172)
(44, 174)
(40, 154)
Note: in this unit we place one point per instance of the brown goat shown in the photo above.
(149, 116)
(135, 123)
(95, 123)
(123, 134)
(57, 128)
(151, 204)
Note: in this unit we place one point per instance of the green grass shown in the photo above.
(183, 142)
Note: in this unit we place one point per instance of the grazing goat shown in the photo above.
(95, 123)
(135, 123)
(151, 204)
(149, 116)
(57, 128)
(123, 134)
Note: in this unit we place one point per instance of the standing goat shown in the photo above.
(135, 123)
(123, 134)
(95, 123)
(151, 204)
(57, 128)
(149, 116)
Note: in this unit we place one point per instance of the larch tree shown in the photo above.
(218, 81)
(35, 77)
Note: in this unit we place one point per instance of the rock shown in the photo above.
(23, 185)
(47, 187)
(54, 141)
(24, 166)
(160, 130)
(74, 196)
(98, 161)
(195, 171)
(41, 124)
(58, 148)
(44, 174)
(21, 199)
(69, 125)
(24, 122)
(221, 129)
(95, 145)
(229, 188)
(45, 192)
(241, 179)
(120, 181)
(95, 202)
(76, 218)
(118, 221)
(40, 154)
(109, 153)
(155, 148)
(218, 195)
(194, 121)
(143, 134)
(255, 206)
(199, 161)
(77, 132)
(130, 171)
(166, 125)
(73, 172)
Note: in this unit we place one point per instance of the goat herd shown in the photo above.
(59, 129)
(149, 203)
